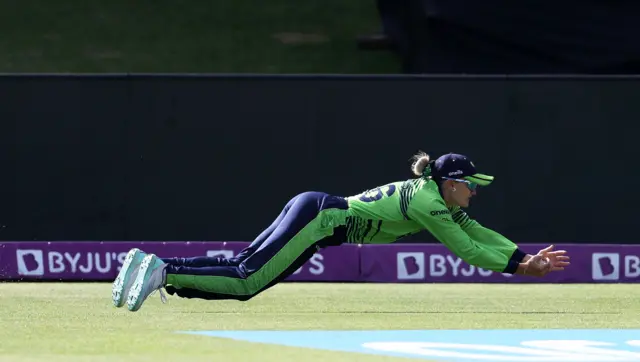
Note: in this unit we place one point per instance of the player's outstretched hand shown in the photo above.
(537, 266)
(558, 259)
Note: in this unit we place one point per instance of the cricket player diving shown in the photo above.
(433, 200)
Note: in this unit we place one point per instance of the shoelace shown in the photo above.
(163, 297)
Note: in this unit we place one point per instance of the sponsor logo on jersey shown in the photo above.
(439, 212)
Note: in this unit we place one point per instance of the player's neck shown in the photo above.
(446, 199)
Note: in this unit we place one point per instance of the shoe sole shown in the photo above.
(118, 292)
(134, 302)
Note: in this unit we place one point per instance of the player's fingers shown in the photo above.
(559, 259)
(562, 263)
(547, 249)
(562, 257)
(557, 252)
(557, 268)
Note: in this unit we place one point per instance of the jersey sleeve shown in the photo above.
(486, 236)
(432, 214)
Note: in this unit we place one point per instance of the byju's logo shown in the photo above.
(220, 253)
(30, 262)
(410, 266)
(605, 266)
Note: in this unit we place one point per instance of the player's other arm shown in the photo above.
(433, 215)
(488, 237)
(482, 235)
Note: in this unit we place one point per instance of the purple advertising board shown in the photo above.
(434, 263)
(102, 260)
(390, 263)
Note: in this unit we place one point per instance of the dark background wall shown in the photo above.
(216, 158)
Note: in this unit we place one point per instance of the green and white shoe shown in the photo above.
(126, 276)
(151, 277)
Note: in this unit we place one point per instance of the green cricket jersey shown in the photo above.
(390, 212)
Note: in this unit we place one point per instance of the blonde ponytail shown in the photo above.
(420, 162)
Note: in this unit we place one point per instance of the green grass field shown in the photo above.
(76, 322)
(196, 36)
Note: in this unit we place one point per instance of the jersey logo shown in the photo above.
(439, 212)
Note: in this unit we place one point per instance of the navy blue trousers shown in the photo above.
(297, 213)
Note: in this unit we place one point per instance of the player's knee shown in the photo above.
(252, 289)
(244, 298)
